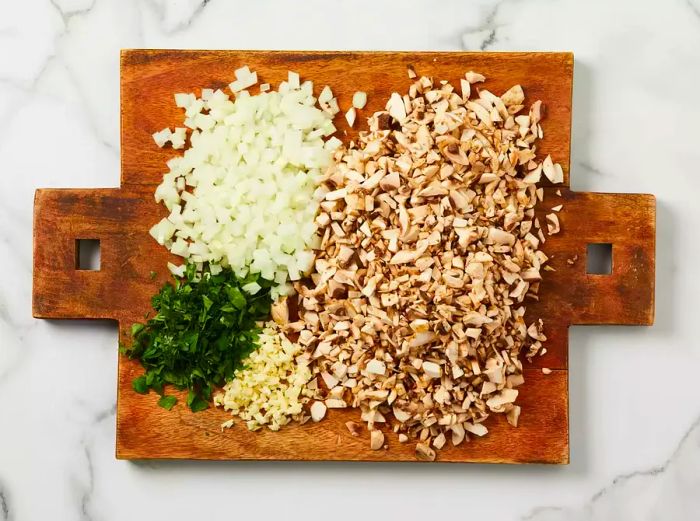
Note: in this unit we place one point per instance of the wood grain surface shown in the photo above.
(122, 288)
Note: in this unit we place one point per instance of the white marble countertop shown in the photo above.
(635, 401)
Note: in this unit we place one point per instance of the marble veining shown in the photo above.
(4, 504)
(86, 492)
(67, 15)
(484, 33)
(635, 406)
(178, 19)
(642, 494)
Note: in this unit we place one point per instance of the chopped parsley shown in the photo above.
(203, 330)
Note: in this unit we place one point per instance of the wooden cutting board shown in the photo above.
(121, 290)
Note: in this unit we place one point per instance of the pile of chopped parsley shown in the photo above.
(204, 328)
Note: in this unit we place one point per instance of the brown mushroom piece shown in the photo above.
(376, 440)
(424, 452)
(280, 311)
(454, 153)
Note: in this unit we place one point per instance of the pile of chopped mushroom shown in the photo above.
(429, 249)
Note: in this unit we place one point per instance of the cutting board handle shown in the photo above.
(61, 288)
(628, 223)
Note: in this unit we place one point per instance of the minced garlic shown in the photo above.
(270, 391)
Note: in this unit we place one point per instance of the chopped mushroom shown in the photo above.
(474, 77)
(376, 367)
(432, 370)
(424, 452)
(396, 107)
(354, 428)
(401, 415)
(513, 96)
(512, 415)
(475, 428)
(376, 440)
(439, 441)
(552, 171)
(280, 311)
(318, 411)
(552, 224)
(390, 182)
(428, 254)
(458, 434)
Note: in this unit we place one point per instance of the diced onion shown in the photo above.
(162, 137)
(293, 80)
(183, 100)
(178, 271)
(359, 99)
(244, 79)
(350, 116)
(178, 138)
(243, 195)
(251, 288)
(326, 95)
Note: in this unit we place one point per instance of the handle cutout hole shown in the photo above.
(87, 254)
(599, 260)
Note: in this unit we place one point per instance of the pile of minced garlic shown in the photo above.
(271, 390)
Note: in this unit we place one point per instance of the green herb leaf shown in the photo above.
(157, 386)
(167, 402)
(237, 297)
(136, 328)
(191, 396)
(199, 404)
(203, 328)
(140, 386)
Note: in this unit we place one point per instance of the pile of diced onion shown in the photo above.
(244, 193)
